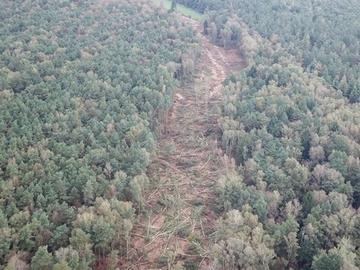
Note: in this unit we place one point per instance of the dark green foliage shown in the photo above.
(60, 237)
(27, 239)
(305, 138)
(274, 127)
(306, 254)
(103, 235)
(293, 135)
(307, 203)
(83, 88)
(62, 265)
(338, 161)
(330, 261)
(173, 5)
(42, 259)
(311, 31)
(4, 246)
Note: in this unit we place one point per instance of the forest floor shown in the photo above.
(180, 202)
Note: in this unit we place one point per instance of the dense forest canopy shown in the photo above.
(290, 123)
(85, 89)
(84, 86)
(323, 35)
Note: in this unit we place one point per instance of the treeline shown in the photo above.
(84, 87)
(289, 194)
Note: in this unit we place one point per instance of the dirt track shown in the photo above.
(180, 222)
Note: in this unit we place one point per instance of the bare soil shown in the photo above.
(180, 221)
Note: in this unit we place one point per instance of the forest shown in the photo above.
(86, 90)
(290, 197)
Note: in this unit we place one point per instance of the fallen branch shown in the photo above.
(205, 163)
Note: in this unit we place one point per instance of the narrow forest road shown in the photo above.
(180, 218)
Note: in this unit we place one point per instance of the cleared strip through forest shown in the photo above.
(180, 219)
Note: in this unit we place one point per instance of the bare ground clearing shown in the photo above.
(180, 220)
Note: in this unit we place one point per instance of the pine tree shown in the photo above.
(61, 265)
(102, 235)
(42, 259)
(328, 261)
(173, 6)
(60, 237)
